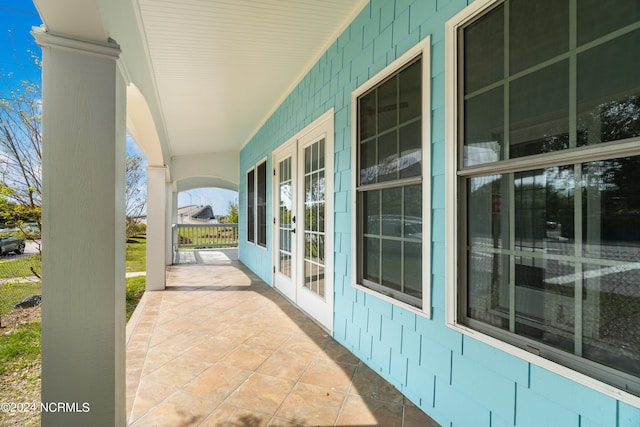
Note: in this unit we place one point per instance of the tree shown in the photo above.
(135, 193)
(21, 160)
(232, 213)
(21, 154)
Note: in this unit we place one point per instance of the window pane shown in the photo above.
(392, 264)
(544, 210)
(367, 115)
(488, 297)
(371, 259)
(611, 325)
(368, 162)
(388, 104)
(413, 269)
(484, 127)
(250, 205)
(413, 212)
(392, 212)
(484, 51)
(410, 160)
(488, 211)
(262, 204)
(611, 209)
(544, 301)
(388, 157)
(371, 213)
(539, 111)
(609, 91)
(597, 18)
(410, 90)
(538, 30)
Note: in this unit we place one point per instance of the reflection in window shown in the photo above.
(551, 251)
(262, 204)
(251, 185)
(390, 160)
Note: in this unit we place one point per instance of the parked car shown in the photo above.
(11, 244)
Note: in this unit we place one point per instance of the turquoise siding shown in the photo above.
(455, 379)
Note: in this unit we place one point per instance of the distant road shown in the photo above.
(31, 248)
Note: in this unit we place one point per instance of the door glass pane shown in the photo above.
(285, 216)
(609, 92)
(314, 225)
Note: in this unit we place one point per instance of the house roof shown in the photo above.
(204, 75)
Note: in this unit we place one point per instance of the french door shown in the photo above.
(303, 225)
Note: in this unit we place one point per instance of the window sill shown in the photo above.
(420, 312)
(549, 365)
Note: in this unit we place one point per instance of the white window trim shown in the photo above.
(254, 168)
(422, 48)
(451, 191)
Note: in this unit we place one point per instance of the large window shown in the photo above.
(262, 204)
(251, 205)
(391, 220)
(547, 181)
(257, 204)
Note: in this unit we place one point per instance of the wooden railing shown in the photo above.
(200, 236)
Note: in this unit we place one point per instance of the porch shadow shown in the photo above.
(220, 347)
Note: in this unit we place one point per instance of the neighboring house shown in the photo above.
(451, 190)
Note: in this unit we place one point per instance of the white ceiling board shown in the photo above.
(221, 66)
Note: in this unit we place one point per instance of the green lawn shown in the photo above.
(137, 254)
(135, 289)
(20, 344)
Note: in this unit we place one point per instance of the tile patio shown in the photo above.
(219, 347)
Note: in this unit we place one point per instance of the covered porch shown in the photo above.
(219, 347)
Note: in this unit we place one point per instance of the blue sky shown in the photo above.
(17, 17)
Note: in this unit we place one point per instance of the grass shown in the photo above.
(135, 289)
(20, 349)
(20, 344)
(20, 267)
(13, 292)
(136, 254)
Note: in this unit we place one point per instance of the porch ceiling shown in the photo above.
(212, 71)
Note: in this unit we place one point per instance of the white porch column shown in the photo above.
(172, 218)
(83, 164)
(156, 227)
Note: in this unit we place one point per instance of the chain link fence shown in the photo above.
(19, 279)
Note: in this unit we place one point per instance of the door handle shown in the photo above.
(293, 230)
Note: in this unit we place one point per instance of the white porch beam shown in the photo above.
(83, 163)
(156, 227)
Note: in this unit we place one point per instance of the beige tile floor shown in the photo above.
(219, 347)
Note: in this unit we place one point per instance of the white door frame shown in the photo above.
(321, 310)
